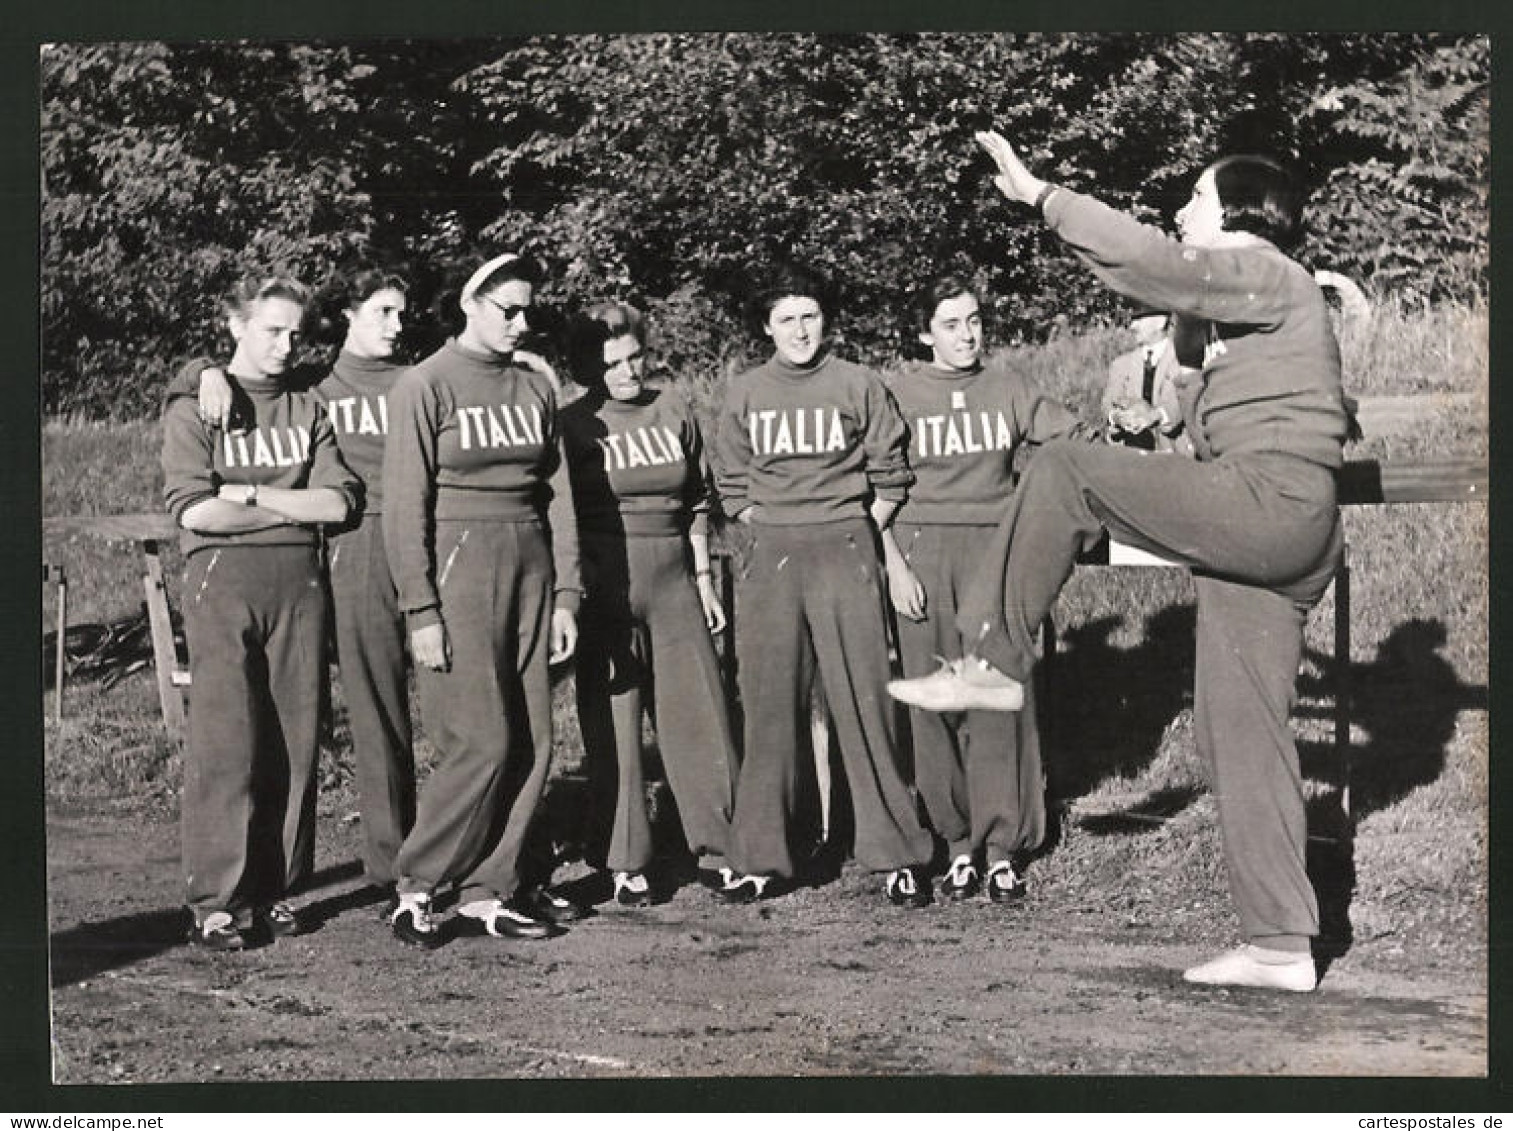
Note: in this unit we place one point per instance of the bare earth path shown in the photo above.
(823, 982)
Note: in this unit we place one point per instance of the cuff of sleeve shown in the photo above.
(1052, 202)
(568, 600)
(422, 618)
(898, 494)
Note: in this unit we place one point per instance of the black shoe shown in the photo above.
(716, 878)
(544, 903)
(507, 920)
(745, 889)
(217, 931)
(961, 880)
(282, 921)
(906, 887)
(414, 924)
(1003, 885)
(632, 889)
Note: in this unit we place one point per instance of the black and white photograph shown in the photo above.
(728, 553)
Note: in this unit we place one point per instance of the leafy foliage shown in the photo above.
(668, 168)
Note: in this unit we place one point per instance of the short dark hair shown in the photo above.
(1259, 196)
(927, 299)
(588, 332)
(788, 280)
(347, 291)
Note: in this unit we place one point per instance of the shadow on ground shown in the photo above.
(1113, 705)
(91, 949)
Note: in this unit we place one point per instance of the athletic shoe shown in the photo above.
(906, 888)
(1257, 966)
(507, 920)
(716, 878)
(546, 904)
(961, 880)
(413, 922)
(632, 889)
(282, 920)
(1003, 885)
(968, 684)
(217, 931)
(744, 889)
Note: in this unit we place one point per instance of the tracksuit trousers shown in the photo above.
(816, 592)
(644, 635)
(255, 621)
(489, 714)
(370, 651)
(980, 773)
(1261, 533)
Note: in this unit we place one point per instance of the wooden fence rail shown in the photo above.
(1362, 483)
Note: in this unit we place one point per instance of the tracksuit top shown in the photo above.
(812, 444)
(355, 393)
(287, 442)
(964, 429)
(1254, 320)
(472, 437)
(637, 466)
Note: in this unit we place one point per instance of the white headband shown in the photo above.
(480, 276)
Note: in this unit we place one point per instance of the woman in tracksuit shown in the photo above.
(366, 308)
(483, 548)
(1254, 516)
(979, 774)
(250, 503)
(811, 455)
(641, 488)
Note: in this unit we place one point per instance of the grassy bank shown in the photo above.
(1136, 830)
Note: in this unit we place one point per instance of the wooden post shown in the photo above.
(61, 661)
(1342, 675)
(164, 659)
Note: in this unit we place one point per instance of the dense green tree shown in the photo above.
(669, 168)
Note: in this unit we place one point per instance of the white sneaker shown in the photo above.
(1259, 967)
(961, 685)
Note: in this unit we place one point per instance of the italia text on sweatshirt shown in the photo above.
(287, 442)
(1271, 365)
(637, 466)
(812, 444)
(964, 429)
(472, 437)
(355, 392)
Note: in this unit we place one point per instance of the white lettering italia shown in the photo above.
(642, 447)
(961, 433)
(797, 431)
(359, 416)
(267, 447)
(499, 426)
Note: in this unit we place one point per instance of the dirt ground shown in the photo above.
(826, 981)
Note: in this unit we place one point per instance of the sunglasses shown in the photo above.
(510, 312)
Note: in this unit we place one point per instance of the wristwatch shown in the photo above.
(251, 499)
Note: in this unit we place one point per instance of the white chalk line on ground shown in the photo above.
(448, 1033)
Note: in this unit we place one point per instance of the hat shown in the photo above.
(1146, 310)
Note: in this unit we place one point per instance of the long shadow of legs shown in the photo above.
(1107, 707)
(91, 949)
(1405, 702)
